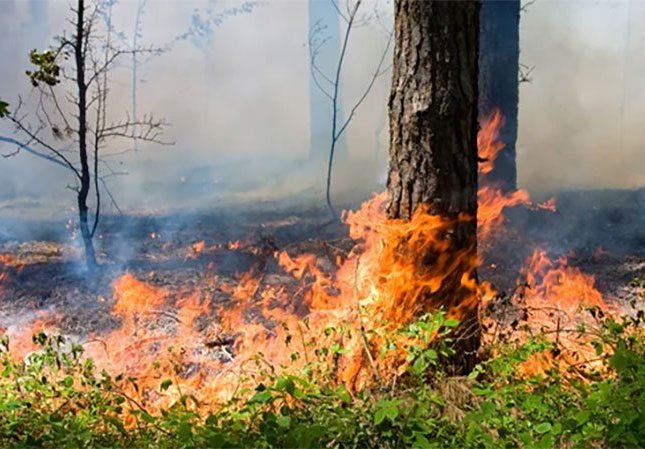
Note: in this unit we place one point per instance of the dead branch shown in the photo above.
(525, 5)
(34, 137)
(525, 73)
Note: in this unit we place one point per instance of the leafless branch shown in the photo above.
(525, 5)
(525, 73)
(33, 137)
(377, 73)
(148, 129)
(100, 110)
(340, 13)
(109, 193)
(58, 108)
(334, 137)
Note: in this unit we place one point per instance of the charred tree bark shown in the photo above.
(80, 47)
(433, 137)
(499, 59)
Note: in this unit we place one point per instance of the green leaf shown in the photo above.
(4, 109)
(386, 409)
(261, 397)
(343, 394)
(147, 417)
(211, 420)
(582, 417)
(422, 442)
(283, 421)
(451, 323)
(285, 384)
(419, 366)
(488, 408)
(68, 381)
(543, 427)
(165, 384)
(379, 416)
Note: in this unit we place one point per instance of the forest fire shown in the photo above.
(355, 301)
(216, 296)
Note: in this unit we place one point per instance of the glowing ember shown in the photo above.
(234, 245)
(199, 246)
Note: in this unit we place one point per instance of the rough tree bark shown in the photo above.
(499, 59)
(433, 132)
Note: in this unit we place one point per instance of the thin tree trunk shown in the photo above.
(324, 22)
(499, 60)
(433, 135)
(79, 55)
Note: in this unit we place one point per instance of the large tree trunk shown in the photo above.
(433, 136)
(499, 60)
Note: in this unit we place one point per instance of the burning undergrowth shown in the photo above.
(212, 314)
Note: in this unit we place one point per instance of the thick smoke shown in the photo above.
(238, 103)
(580, 117)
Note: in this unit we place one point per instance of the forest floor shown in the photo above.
(601, 232)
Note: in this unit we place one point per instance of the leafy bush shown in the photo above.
(56, 399)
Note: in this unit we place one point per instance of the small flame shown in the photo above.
(557, 302)
(488, 144)
(233, 246)
(548, 205)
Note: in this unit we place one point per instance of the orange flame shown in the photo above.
(491, 200)
(488, 144)
(557, 303)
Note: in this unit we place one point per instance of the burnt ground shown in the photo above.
(43, 273)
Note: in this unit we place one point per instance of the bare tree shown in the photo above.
(433, 139)
(329, 84)
(70, 122)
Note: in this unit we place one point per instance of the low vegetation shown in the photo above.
(56, 398)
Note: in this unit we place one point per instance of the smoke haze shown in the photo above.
(238, 101)
(580, 117)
